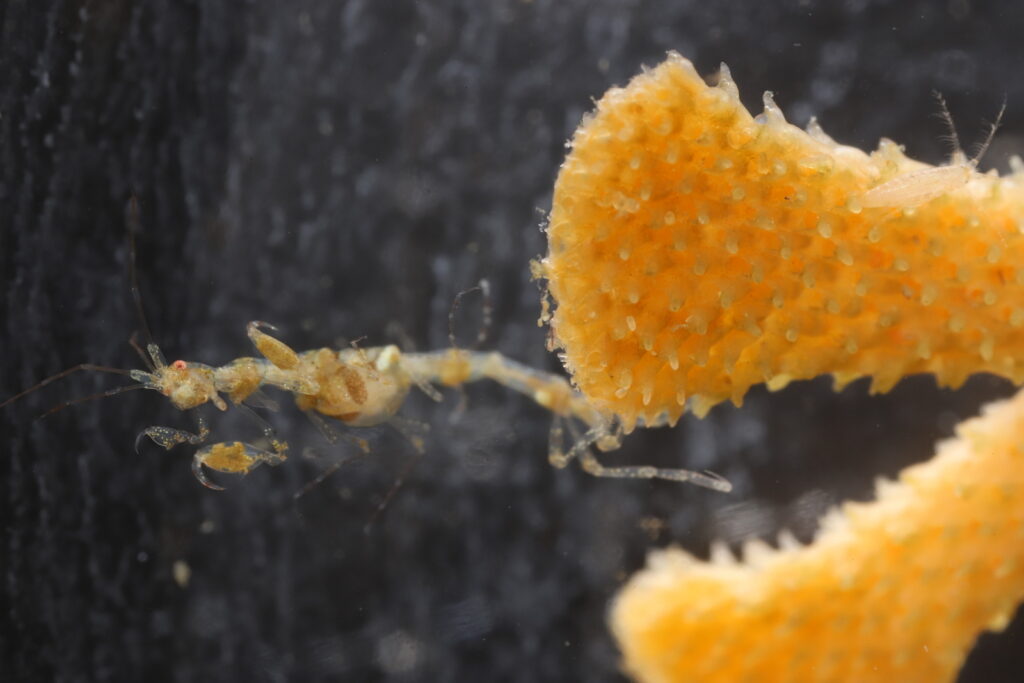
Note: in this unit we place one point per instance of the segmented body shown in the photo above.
(918, 187)
(367, 387)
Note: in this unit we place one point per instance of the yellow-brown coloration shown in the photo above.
(274, 350)
(187, 385)
(229, 457)
(454, 369)
(364, 388)
(894, 590)
(245, 378)
(696, 251)
(343, 387)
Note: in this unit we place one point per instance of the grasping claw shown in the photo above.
(168, 437)
(233, 457)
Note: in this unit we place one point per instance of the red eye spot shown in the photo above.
(179, 365)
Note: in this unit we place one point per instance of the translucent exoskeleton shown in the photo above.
(366, 387)
(362, 388)
(917, 187)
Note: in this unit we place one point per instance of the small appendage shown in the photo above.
(331, 434)
(571, 411)
(608, 437)
(708, 480)
(274, 350)
(557, 456)
(234, 457)
(168, 437)
(414, 431)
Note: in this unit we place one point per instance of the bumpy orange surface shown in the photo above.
(894, 590)
(696, 251)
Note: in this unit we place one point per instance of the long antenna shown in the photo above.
(103, 394)
(993, 127)
(146, 360)
(133, 223)
(948, 119)
(65, 373)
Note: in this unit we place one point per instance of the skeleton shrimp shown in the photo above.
(360, 388)
(917, 187)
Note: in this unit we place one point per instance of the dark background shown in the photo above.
(343, 169)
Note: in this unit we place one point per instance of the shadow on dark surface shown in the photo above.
(339, 168)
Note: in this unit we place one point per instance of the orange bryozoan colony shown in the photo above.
(696, 251)
(894, 590)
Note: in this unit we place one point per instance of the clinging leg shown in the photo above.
(708, 480)
(455, 367)
(235, 457)
(274, 350)
(231, 457)
(169, 437)
(332, 434)
(282, 357)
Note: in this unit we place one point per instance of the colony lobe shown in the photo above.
(695, 251)
(897, 589)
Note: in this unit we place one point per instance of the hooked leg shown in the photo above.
(169, 437)
(607, 438)
(415, 433)
(331, 435)
(413, 430)
(283, 357)
(452, 368)
(274, 350)
(231, 457)
(709, 480)
(236, 457)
